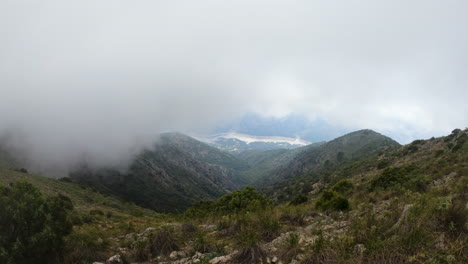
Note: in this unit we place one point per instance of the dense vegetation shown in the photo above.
(243, 201)
(32, 227)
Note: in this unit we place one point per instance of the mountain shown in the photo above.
(345, 149)
(176, 172)
(179, 170)
(237, 142)
(402, 204)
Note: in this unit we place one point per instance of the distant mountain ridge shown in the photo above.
(350, 147)
(238, 142)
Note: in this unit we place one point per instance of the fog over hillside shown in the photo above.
(99, 80)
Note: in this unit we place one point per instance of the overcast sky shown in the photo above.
(104, 76)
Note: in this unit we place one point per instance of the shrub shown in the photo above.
(163, 243)
(412, 149)
(439, 152)
(246, 200)
(251, 251)
(269, 227)
(32, 227)
(203, 244)
(453, 217)
(299, 199)
(200, 208)
(460, 142)
(293, 219)
(331, 200)
(395, 178)
(343, 187)
(383, 164)
(291, 247)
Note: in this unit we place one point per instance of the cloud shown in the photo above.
(105, 77)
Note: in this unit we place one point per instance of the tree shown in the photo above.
(32, 227)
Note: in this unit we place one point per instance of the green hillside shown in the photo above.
(405, 204)
(314, 162)
(176, 172)
(84, 198)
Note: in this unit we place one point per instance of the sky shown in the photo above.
(103, 78)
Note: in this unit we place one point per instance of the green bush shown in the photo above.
(396, 179)
(460, 142)
(246, 200)
(439, 152)
(200, 208)
(343, 187)
(203, 244)
(269, 227)
(299, 199)
(250, 251)
(331, 200)
(32, 227)
(383, 164)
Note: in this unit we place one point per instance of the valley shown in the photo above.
(361, 197)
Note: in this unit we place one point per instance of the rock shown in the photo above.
(208, 228)
(148, 231)
(275, 259)
(316, 188)
(130, 236)
(441, 243)
(221, 259)
(402, 218)
(300, 257)
(173, 255)
(116, 259)
(197, 255)
(359, 249)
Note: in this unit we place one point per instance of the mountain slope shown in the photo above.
(84, 198)
(178, 171)
(263, 163)
(348, 148)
